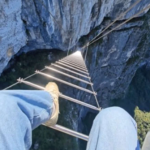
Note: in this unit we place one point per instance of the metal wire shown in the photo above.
(11, 86)
(24, 79)
(92, 87)
(68, 47)
(94, 39)
(122, 15)
(134, 16)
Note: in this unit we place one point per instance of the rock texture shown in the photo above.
(138, 92)
(116, 58)
(12, 31)
(53, 24)
(60, 24)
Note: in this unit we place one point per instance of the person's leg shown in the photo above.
(146, 144)
(20, 112)
(113, 129)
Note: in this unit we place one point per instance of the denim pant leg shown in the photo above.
(113, 129)
(146, 144)
(20, 112)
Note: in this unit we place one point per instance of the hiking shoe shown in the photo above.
(52, 88)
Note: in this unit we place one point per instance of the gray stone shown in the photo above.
(12, 31)
(60, 24)
(42, 24)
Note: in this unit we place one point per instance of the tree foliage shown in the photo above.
(143, 124)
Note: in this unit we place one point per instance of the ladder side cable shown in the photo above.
(24, 79)
(119, 17)
(92, 85)
(134, 16)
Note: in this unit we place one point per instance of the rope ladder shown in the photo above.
(75, 65)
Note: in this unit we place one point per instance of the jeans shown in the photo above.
(146, 144)
(113, 129)
(22, 111)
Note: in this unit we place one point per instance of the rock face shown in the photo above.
(60, 24)
(114, 61)
(12, 31)
(46, 24)
(138, 92)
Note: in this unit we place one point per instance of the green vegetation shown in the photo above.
(143, 123)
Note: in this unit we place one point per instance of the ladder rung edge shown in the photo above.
(65, 74)
(57, 65)
(69, 132)
(78, 102)
(75, 61)
(72, 68)
(65, 82)
(61, 95)
(75, 64)
(72, 65)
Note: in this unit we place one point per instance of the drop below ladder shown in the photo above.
(75, 65)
